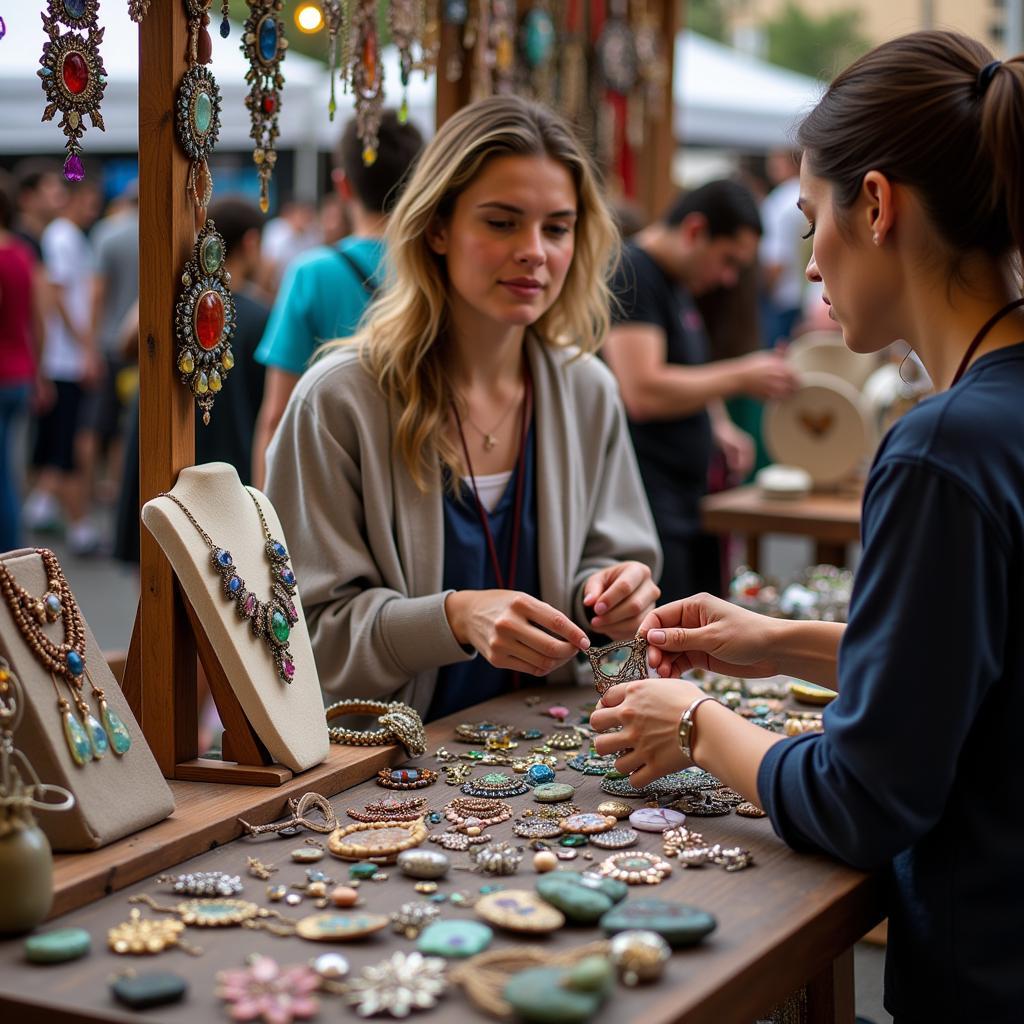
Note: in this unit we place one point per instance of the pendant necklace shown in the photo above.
(491, 436)
(264, 46)
(91, 737)
(338, 18)
(137, 10)
(72, 74)
(367, 75)
(198, 108)
(271, 620)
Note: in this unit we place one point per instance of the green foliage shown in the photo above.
(707, 17)
(818, 46)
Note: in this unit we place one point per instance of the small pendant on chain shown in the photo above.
(490, 441)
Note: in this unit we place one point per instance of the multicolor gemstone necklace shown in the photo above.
(272, 620)
(91, 737)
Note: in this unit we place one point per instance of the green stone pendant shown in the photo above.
(97, 737)
(120, 738)
(77, 738)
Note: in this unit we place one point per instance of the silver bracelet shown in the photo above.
(686, 725)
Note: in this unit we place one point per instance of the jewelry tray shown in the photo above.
(114, 796)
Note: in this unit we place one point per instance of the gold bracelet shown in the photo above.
(399, 723)
(382, 841)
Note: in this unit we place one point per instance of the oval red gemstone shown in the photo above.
(209, 318)
(269, 104)
(75, 72)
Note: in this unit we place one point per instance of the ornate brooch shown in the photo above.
(495, 786)
(72, 74)
(406, 778)
(411, 918)
(619, 662)
(140, 936)
(264, 45)
(481, 732)
(367, 74)
(398, 985)
(377, 841)
(198, 126)
(204, 320)
(458, 840)
(497, 859)
(265, 990)
(636, 868)
(203, 883)
(390, 809)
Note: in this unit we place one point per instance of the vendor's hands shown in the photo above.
(766, 375)
(514, 630)
(648, 712)
(621, 595)
(709, 633)
(736, 446)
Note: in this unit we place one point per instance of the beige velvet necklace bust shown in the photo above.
(288, 718)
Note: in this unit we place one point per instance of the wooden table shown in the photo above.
(789, 921)
(830, 518)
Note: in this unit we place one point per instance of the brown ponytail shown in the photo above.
(915, 109)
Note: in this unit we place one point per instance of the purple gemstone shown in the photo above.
(73, 169)
(288, 576)
(292, 612)
(289, 669)
(250, 604)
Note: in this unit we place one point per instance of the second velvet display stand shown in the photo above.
(272, 728)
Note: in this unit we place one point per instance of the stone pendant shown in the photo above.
(97, 737)
(77, 738)
(120, 738)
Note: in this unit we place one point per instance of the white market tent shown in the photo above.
(729, 99)
(722, 97)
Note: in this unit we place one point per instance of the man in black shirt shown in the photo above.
(658, 350)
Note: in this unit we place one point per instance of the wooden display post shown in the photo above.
(160, 673)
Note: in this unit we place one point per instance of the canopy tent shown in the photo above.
(722, 97)
(727, 98)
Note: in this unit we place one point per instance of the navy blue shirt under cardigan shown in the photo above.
(920, 766)
(467, 566)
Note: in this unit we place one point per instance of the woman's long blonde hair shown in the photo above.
(399, 336)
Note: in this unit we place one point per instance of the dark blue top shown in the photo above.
(467, 566)
(920, 767)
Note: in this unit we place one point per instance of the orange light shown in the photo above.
(309, 18)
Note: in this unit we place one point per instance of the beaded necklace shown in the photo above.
(271, 620)
(91, 737)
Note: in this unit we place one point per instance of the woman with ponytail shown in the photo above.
(912, 182)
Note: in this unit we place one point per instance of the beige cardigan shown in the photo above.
(367, 546)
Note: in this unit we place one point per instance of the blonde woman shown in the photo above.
(457, 479)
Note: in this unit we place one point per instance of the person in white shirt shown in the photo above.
(782, 256)
(72, 363)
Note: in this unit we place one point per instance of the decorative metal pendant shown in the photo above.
(617, 62)
(146, 936)
(204, 320)
(137, 9)
(618, 663)
(338, 17)
(200, 46)
(367, 74)
(398, 985)
(403, 21)
(73, 74)
(198, 125)
(264, 45)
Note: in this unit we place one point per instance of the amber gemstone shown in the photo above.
(370, 63)
(209, 317)
(75, 72)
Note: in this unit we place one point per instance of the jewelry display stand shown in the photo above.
(271, 728)
(114, 796)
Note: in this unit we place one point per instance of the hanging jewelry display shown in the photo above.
(73, 74)
(204, 320)
(198, 108)
(429, 34)
(501, 46)
(573, 71)
(137, 9)
(338, 17)
(367, 75)
(264, 45)
(91, 737)
(537, 44)
(271, 620)
(225, 24)
(456, 12)
(617, 62)
(403, 21)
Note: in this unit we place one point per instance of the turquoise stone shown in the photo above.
(543, 995)
(267, 39)
(75, 662)
(120, 738)
(677, 923)
(454, 939)
(612, 663)
(213, 253)
(97, 737)
(583, 899)
(538, 36)
(52, 602)
(279, 626)
(202, 113)
(573, 839)
(494, 779)
(539, 774)
(362, 869)
(57, 947)
(77, 739)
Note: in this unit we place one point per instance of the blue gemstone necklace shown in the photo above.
(87, 736)
(272, 620)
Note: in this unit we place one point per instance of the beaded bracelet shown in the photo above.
(390, 810)
(467, 813)
(406, 778)
(399, 723)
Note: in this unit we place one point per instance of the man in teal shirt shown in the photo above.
(325, 291)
